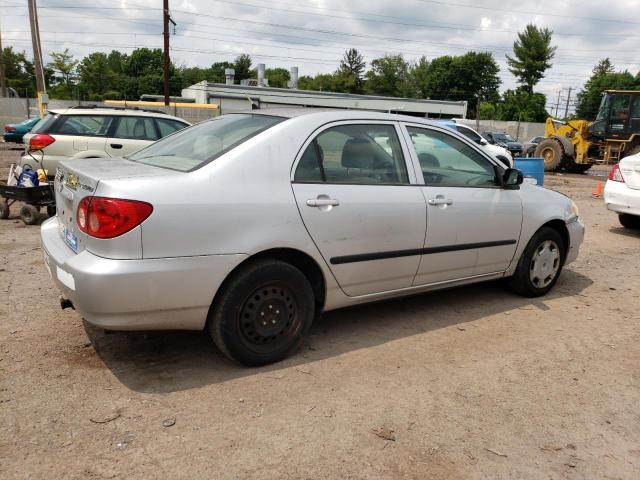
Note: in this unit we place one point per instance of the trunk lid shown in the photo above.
(630, 169)
(77, 179)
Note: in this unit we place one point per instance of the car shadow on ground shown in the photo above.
(625, 231)
(162, 362)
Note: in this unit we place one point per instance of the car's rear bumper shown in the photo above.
(148, 294)
(576, 236)
(621, 199)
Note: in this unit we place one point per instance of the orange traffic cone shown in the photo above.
(597, 192)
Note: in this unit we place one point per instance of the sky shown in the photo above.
(313, 34)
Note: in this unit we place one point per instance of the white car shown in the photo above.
(94, 132)
(622, 191)
(250, 225)
(496, 150)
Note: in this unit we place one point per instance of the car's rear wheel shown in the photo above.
(540, 264)
(629, 221)
(262, 313)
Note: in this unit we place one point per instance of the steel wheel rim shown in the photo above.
(545, 264)
(548, 154)
(268, 319)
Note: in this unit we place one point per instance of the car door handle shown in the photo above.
(323, 202)
(440, 201)
(116, 145)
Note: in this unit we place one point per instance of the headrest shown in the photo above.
(358, 153)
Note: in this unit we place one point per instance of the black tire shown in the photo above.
(522, 282)
(573, 167)
(552, 152)
(631, 222)
(29, 214)
(262, 313)
(51, 211)
(4, 209)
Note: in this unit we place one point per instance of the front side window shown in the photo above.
(354, 154)
(447, 162)
(92, 125)
(193, 147)
(136, 128)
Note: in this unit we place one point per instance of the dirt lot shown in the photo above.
(474, 382)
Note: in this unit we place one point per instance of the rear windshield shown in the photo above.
(43, 125)
(195, 146)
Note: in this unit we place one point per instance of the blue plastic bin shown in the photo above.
(531, 167)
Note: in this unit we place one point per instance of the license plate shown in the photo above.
(71, 240)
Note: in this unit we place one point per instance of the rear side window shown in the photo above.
(192, 147)
(136, 128)
(354, 154)
(167, 127)
(91, 125)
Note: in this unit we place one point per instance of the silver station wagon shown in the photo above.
(251, 225)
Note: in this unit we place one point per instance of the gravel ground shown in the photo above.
(469, 383)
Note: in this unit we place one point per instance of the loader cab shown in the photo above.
(618, 116)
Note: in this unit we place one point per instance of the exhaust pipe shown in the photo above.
(66, 303)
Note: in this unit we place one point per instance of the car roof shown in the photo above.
(126, 112)
(332, 114)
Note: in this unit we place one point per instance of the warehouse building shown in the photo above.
(255, 93)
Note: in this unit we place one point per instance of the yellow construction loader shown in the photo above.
(576, 145)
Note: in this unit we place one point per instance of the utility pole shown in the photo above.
(558, 103)
(43, 99)
(566, 109)
(3, 82)
(166, 18)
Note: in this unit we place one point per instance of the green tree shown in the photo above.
(63, 66)
(242, 67)
(351, 71)
(95, 75)
(18, 71)
(419, 73)
(532, 54)
(522, 105)
(603, 67)
(388, 76)
(216, 72)
(277, 77)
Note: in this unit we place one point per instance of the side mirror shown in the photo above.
(483, 141)
(512, 178)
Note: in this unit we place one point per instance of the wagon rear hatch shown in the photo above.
(630, 168)
(77, 179)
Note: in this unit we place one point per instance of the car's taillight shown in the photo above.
(9, 128)
(615, 174)
(40, 141)
(103, 217)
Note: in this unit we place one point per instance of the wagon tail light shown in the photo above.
(615, 174)
(102, 217)
(40, 141)
(9, 128)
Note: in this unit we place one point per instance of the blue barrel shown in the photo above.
(531, 167)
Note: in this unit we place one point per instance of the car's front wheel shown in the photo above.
(540, 264)
(629, 221)
(262, 313)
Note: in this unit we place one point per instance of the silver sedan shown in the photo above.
(250, 225)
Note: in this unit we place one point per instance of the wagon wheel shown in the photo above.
(4, 209)
(29, 214)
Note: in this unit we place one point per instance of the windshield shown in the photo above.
(503, 137)
(195, 146)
